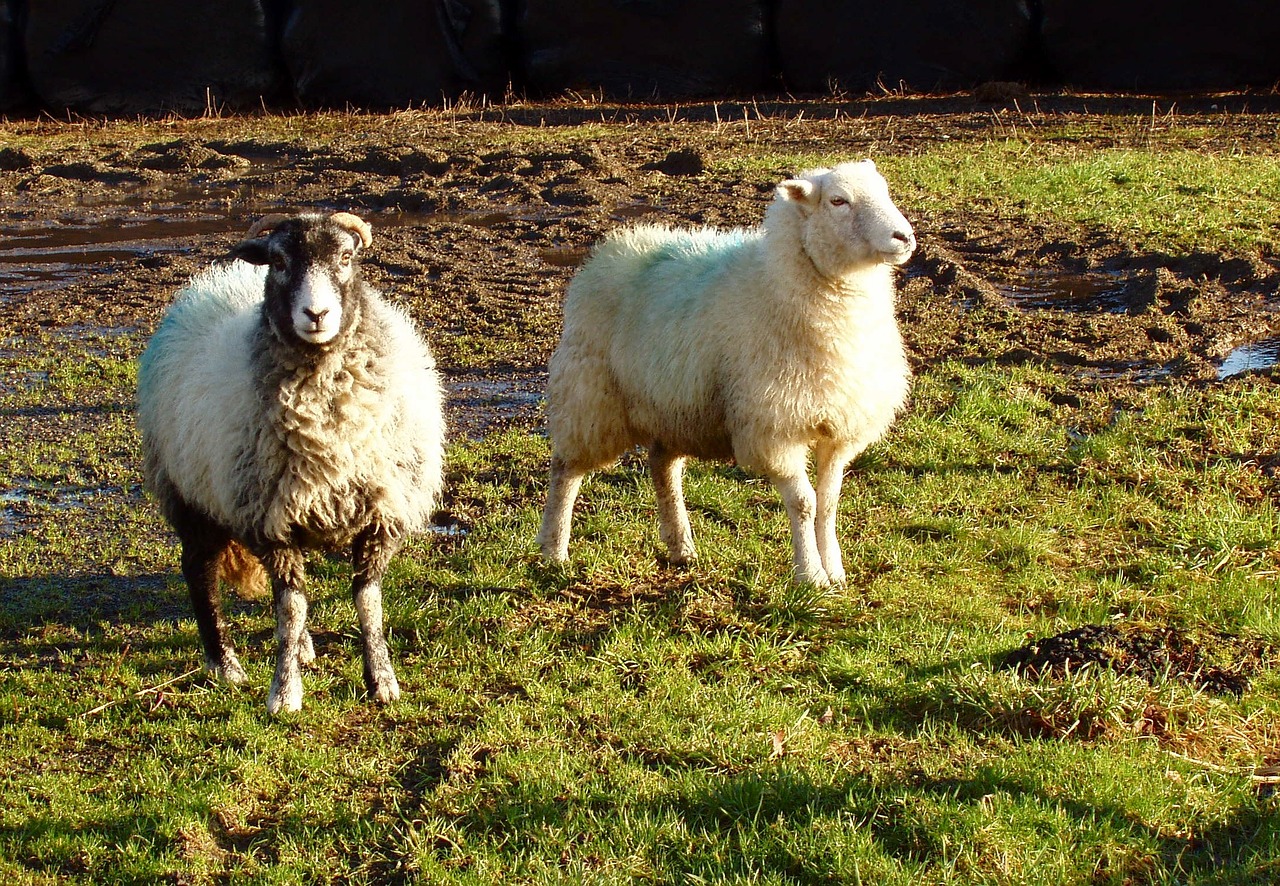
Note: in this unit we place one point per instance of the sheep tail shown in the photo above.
(240, 568)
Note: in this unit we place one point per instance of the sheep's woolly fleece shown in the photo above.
(720, 344)
(358, 435)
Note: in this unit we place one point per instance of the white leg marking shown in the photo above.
(800, 501)
(557, 516)
(380, 676)
(831, 462)
(673, 517)
(291, 623)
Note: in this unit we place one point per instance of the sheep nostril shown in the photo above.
(315, 316)
(902, 237)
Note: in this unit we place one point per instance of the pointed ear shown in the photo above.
(801, 190)
(253, 251)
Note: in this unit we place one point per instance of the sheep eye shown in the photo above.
(839, 201)
(278, 263)
(346, 257)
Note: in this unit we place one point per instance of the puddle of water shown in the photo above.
(1136, 372)
(1250, 357)
(12, 516)
(632, 210)
(564, 256)
(52, 258)
(479, 403)
(1067, 292)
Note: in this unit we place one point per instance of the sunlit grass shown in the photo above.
(616, 720)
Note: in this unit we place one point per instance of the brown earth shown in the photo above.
(481, 214)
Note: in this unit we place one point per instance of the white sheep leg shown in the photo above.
(287, 578)
(285, 694)
(673, 518)
(557, 516)
(830, 462)
(379, 675)
(370, 556)
(801, 503)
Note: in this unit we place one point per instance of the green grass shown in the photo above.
(1165, 196)
(616, 720)
(1176, 200)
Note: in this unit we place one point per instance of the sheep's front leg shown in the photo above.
(288, 581)
(831, 461)
(557, 516)
(371, 554)
(673, 518)
(801, 503)
(203, 543)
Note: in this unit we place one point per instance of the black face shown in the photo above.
(311, 275)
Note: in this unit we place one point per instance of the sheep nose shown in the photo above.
(903, 237)
(315, 316)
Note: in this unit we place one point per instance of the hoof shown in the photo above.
(385, 689)
(285, 699)
(229, 670)
(818, 578)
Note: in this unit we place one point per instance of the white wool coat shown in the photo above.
(722, 344)
(309, 457)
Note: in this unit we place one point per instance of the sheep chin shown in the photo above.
(898, 256)
(321, 336)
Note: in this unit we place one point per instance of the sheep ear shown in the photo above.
(798, 189)
(253, 251)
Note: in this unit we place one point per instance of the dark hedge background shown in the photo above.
(144, 56)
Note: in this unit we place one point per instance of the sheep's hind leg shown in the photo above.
(673, 518)
(371, 553)
(557, 516)
(801, 503)
(831, 461)
(203, 544)
(288, 579)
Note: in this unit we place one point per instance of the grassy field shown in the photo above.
(619, 721)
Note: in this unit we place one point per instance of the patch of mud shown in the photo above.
(1205, 659)
(480, 403)
(478, 239)
(980, 292)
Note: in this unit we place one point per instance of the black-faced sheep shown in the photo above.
(759, 345)
(285, 406)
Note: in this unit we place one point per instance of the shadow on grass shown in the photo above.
(749, 825)
(83, 601)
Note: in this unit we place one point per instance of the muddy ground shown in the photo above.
(481, 215)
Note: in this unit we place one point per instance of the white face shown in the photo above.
(316, 310)
(317, 307)
(851, 220)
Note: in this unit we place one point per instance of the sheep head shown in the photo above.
(313, 287)
(848, 220)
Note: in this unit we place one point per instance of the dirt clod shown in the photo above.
(1205, 659)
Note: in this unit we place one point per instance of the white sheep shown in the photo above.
(758, 345)
(285, 406)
